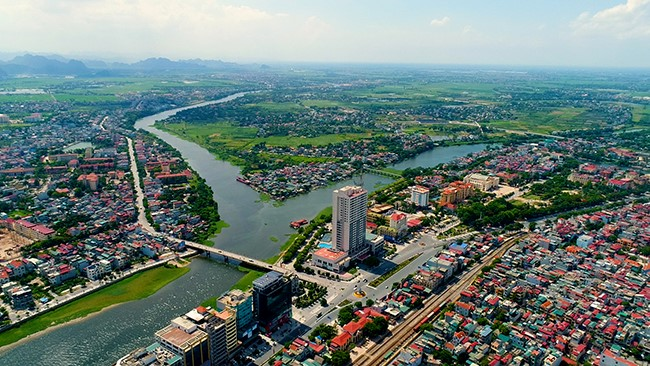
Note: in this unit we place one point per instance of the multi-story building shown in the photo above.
(242, 304)
(184, 338)
(482, 182)
(230, 319)
(330, 259)
(420, 196)
(215, 327)
(19, 296)
(456, 192)
(398, 222)
(272, 300)
(349, 209)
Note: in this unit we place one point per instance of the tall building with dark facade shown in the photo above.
(272, 300)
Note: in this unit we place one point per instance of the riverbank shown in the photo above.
(138, 286)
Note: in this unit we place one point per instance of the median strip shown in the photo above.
(379, 280)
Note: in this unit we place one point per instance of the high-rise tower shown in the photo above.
(349, 207)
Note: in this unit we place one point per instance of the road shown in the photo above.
(139, 194)
(307, 319)
(403, 333)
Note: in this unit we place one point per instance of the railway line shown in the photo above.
(383, 353)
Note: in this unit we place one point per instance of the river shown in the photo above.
(257, 229)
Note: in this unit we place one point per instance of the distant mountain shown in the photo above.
(57, 65)
(212, 64)
(30, 64)
(161, 63)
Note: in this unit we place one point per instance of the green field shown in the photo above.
(323, 103)
(21, 98)
(641, 114)
(136, 287)
(551, 120)
(92, 90)
(235, 137)
(277, 107)
(14, 125)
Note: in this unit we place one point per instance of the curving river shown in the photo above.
(257, 229)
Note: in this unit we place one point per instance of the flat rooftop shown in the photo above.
(179, 337)
(330, 254)
(266, 280)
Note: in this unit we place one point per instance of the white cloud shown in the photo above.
(623, 21)
(440, 22)
(141, 28)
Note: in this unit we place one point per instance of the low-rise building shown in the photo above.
(330, 259)
(482, 182)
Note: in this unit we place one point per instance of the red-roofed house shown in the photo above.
(609, 358)
(341, 341)
(356, 328)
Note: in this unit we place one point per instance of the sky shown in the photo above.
(583, 33)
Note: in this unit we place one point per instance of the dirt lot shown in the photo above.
(10, 244)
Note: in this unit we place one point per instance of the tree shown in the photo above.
(346, 314)
(369, 302)
(426, 326)
(326, 332)
(340, 358)
(377, 326)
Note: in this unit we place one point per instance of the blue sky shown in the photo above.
(511, 32)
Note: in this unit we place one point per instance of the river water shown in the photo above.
(257, 229)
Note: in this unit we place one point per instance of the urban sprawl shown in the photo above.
(532, 251)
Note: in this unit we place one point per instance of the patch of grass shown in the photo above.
(273, 259)
(392, 170)
(246, 282)
(547, 121)
(221, 225)
(531, 196)
(21, 98)
(344, 303)
(265, 197)
(14, 125)
(136, 287)
(277, 107)
(287, 243)
(20, 213)
(274, 239)
(322, 103)
(641, 114)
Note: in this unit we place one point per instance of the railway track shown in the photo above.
(404, 334)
